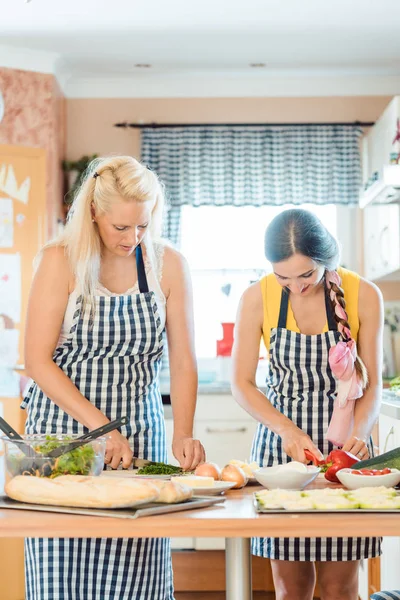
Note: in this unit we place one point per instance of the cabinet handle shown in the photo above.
(391, 432)
(233, 430)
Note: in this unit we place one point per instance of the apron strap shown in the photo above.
(332, 323)
(141, 271)
(283, 309)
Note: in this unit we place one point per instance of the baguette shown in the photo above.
(81, 491)
(171, 492)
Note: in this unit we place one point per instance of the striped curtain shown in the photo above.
(254, 165)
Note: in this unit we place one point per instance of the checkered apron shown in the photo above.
(301, 386)
(114, 359)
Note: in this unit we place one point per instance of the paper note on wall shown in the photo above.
(10, 286)
(6, 223)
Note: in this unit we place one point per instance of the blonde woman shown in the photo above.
(101, 297)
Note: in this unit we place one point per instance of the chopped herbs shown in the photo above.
(160, 469)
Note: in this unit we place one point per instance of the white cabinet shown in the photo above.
(382, 241)
(224, 440)
(363, 593)
(389, 438)
(377, 147)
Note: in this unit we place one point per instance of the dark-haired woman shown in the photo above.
(309, 311)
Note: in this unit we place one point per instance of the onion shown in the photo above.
(236, 474)
(208, 470)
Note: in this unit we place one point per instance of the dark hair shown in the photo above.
(300, 231)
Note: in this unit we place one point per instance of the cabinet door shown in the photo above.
(381, 240)
(388, 239)
(224, 440)
(363, 581)
(371, 255)
(389, 433)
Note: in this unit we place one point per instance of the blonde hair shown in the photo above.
(107, 180)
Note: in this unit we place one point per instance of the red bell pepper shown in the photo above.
(336, 460)
(314, 459)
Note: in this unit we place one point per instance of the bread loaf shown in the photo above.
(81, 491)
(172, 492)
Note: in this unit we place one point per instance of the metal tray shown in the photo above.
(317, 511)
(146, 510)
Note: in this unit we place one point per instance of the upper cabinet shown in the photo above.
(380, 158)
(382, 242)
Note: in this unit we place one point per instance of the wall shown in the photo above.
(90, 122)
(35, 116)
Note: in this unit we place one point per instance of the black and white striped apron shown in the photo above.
(301, 386)
(114, 359)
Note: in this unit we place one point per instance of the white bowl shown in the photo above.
(353, 481)
(285, 479)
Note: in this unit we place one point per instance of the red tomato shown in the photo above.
(372, 472)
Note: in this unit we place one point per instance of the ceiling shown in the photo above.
(87, 40)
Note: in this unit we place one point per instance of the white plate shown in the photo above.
(353, 481)
(131, 473)
(219, 487)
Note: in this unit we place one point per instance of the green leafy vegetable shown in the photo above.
(160, 469)
(75, 462)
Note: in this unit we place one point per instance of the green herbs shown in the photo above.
(160, 469)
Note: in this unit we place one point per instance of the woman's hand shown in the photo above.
(188, 452)
(117, 451)
(357, 447)
(295, 441)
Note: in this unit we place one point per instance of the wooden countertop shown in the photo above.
(236, 517)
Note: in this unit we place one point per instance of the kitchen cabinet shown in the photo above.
(380, 178)
(382, 241)
(389, 436)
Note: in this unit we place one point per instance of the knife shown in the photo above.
(142, 462)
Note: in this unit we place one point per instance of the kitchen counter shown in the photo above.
(235, 520)
(390, 404)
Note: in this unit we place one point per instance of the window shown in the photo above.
(225, 250)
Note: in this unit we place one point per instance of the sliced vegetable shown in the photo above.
(313, 458)
(372, 471)
(336, 460)
(390, 459)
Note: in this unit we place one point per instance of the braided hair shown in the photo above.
(298, 231)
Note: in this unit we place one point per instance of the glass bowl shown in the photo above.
(85, 460)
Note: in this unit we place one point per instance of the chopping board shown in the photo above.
(145, 510)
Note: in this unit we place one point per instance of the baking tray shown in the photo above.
(317, 511)
(146, 510)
